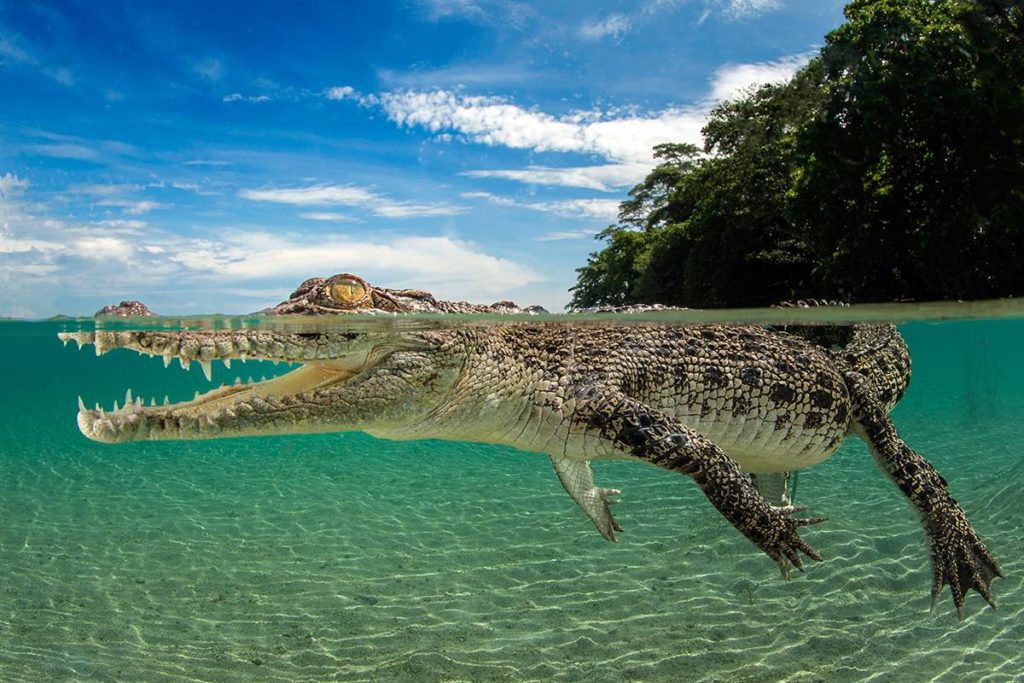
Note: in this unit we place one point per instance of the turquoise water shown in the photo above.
(342, 557)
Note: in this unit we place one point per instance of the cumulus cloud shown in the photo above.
(732, 80)
(498, 122)
(350, 195)
(49, 265)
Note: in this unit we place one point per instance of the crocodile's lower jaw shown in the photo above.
(239, 409)
(226, 411)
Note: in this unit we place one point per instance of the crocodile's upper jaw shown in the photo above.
(229, 410)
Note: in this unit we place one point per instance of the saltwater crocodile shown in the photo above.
(717, 403)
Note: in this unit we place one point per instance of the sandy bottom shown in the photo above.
(347, 558)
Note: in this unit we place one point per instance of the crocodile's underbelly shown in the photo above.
(763, 438)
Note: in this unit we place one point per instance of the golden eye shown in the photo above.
(348, 292)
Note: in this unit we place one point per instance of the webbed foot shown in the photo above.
(959, 558)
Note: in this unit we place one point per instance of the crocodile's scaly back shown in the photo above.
(880, 354)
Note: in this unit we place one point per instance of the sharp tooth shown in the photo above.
(81, 404)
(184, 362)
(64, 337)
(207, 369)
(196, 396)
(152, 403)
(250, 380)
(167, 400)
(167, 361)
(138, 402)
(276, 361)
(238, 380)
(128, 397)
(263, 378)
(227, 363)
(102, 414)
(97, 406)
(115, 406)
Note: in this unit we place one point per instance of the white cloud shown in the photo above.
(349, 195)
(339, 93)
(49, 266)
(745, 9)
(239, 97)
(317, 195)
(613, 26)
(606, 177)
(132, 207)
(327, 216)
(505, 12)
(12, 186)
(602, 209)
(567, 235)
(497, 122)
(104, 249)
(732, 80)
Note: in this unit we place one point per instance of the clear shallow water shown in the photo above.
(344, 557)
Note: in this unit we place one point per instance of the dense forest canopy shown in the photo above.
(890, 167)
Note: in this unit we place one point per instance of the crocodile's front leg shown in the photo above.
(959, 558)
(661, 440)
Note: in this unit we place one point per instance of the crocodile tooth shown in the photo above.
(167, 400)
(227, 363)
(138, 402)
(128, 397)
(64, 337)
(152, 402)
(276, 361)
(207, 369)
(250, 380)
(196, 396)
(238, 380)
(81, 405)
(184, 362)
(167, 361)
(115, 406)
(263, 378)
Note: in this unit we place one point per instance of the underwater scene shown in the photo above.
(340, 556)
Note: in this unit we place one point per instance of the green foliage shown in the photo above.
(891, 167)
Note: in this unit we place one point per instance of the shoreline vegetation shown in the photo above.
(889, 168)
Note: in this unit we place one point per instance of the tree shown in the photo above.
(890, 167)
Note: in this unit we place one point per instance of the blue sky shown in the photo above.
(207, 157)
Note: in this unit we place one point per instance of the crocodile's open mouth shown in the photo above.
(327, 360)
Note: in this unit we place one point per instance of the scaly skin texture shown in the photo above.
(713, 402)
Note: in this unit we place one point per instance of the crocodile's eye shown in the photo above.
(349, 292)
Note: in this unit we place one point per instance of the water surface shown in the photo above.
(343, 557)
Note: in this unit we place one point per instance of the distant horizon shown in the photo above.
(200, 157)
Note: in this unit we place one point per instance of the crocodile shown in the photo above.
(730, 406)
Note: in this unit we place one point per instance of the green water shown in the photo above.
(342, 557)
